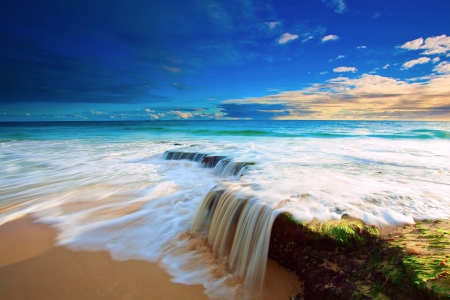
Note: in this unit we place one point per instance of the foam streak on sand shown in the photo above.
(107, 186)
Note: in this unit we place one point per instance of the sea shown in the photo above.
(139, 189)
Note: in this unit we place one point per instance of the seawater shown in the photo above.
(106, 186)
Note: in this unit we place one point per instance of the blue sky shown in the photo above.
(236, 59)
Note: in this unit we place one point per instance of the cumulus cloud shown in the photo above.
(149, 110)
(286, 37)
(345, 69)
(365, 97)
(435, 60)
(338, 5)
(430, 46)
(183, 115)
(443, 68)
(412, 63)
(386, 66)
(340, 57)
(361, 47)
(412, 45)
(330, 37)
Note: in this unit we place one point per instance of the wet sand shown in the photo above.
(31, 267)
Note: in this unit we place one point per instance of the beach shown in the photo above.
(32, 267)
(127, 209)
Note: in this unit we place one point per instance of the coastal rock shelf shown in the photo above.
(223, 166)
(347, 259)
(340, 259)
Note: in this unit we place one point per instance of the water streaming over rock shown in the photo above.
(237, 228)
(223, 166)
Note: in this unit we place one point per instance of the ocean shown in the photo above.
(152, 190)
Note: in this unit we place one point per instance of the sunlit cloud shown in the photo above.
(435, 60)
(287, 37)
(365, 97)
(412, 63)
(183, 115)
(430, 46)
(443, 68)
(361, 47)
(386, 66)
(330, 37)
(345, 69)
(412, 45)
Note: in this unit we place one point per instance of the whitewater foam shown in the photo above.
(119, 194)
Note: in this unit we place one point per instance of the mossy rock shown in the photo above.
(347, 259)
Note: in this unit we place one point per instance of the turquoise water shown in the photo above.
(136, 131)
(105, 186)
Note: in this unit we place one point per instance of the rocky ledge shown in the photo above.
(347, 259)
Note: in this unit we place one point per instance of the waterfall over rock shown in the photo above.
(223, 166)
(238, 228)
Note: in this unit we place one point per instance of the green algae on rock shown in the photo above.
(347, 259)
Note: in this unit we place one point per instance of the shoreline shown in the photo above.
(32, 267)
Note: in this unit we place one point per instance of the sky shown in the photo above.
(90, 60)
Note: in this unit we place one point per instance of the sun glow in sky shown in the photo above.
(238, 59)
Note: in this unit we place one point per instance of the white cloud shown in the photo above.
(286, 37)
(272, 25)
(367, 97)
(345, 69)
(436, 45)
(361, 47)
(443, 68)
(431, 46)
(338, 5)
(376, 15)
(330, 37)
(154, 116)
(386, 66)
(413, 45)
(340, 57)
(97, 112)
(149, 110)
(184, 115)
(307, 39)
(412, 63)
(435, 60)
(323, 73)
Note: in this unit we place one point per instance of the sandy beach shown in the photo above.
(31, 267)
